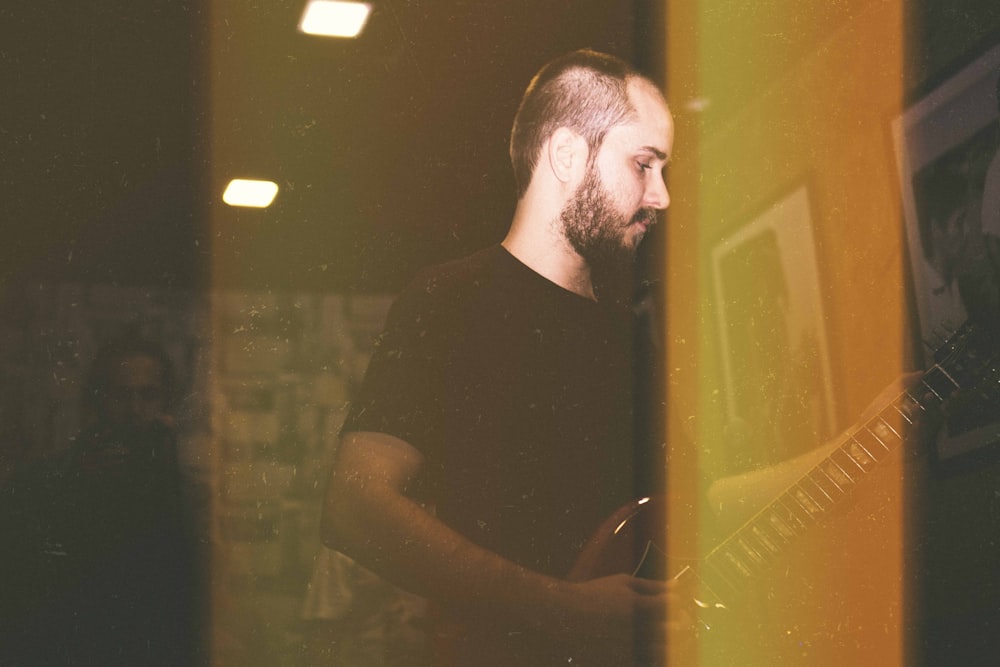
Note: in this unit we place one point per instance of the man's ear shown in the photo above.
(567, 155)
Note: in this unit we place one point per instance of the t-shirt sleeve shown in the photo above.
(403, 391)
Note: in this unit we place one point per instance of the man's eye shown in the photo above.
(644, 167)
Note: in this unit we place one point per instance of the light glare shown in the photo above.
(332, 18)
(248, 192)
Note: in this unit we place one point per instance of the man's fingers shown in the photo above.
(648, 586)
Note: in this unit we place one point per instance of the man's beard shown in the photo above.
(597, 230)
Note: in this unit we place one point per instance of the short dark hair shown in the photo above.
(110, 356)
(585, 91)
(938, 195)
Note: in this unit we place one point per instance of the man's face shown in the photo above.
(601, 230)
(956, 240)
(135, 395)
(623, 187)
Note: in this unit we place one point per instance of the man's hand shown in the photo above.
(621, 620)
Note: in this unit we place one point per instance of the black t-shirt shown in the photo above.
(519, 394)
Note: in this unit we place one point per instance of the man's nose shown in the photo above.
(657, 195)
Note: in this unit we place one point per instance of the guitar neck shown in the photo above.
(729, 569)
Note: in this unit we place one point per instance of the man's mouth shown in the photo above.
(645, 217)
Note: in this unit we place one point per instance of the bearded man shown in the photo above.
(495, 427)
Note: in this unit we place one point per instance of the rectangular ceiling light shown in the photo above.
(248, 192)
(331, 18)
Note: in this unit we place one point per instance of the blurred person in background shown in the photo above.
(101, 552)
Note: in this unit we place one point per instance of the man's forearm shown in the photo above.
(400, 540)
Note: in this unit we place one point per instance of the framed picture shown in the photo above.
(775, 360)
(948, 152)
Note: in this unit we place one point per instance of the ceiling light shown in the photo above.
(248, 192)
(331, 18)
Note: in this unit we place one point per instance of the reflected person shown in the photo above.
(107, 570)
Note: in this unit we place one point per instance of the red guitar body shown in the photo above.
(628, 542)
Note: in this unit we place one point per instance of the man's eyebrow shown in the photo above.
(655, 151)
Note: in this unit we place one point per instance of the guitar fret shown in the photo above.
(860, 455)
(796, 511)
(827, 484)
(893, 425)
(910, 408)
(816, 499)
(737, 567)
(817, 494)
(867, 439)
(754, 534)
(761, 533)
(882, 433)
(941, 390)
(714, 584)
(833, 470)
(804, 501)
(822, 492)
(755, 556)
(781, 527)
(842, 451)
(722, 576)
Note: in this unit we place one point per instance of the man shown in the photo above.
(978, 274)
(104, 567)
(494, 428)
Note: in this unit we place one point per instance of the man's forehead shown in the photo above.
(650, 131)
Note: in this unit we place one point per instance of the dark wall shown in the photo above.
(101, 147)
(953, 538)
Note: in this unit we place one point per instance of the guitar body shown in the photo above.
(630, 541)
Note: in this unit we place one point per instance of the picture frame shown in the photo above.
(947, 147)
(775, 356)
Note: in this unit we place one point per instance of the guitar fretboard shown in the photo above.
(728, 569)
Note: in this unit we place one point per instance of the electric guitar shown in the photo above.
(629, 540)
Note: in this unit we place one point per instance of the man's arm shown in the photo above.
(736, 498)
(369, 516)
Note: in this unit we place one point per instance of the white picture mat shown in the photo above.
(788, 225)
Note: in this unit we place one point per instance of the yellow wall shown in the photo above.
(823, 123)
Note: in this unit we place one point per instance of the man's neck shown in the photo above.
(541, 246)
